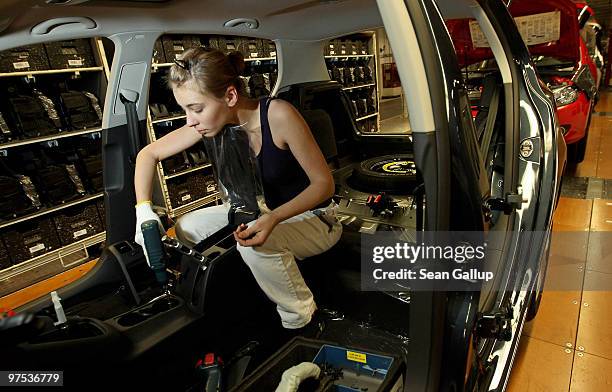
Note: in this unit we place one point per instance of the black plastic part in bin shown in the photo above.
(5, 260)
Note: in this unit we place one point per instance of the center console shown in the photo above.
(116, 314)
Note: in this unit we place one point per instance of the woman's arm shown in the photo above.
(176, 141)
(294, 133)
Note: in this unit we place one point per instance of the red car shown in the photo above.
(551, 29)
(553, 35)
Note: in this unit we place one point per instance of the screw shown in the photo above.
(569, 345)
(567, 350)
(580, 348)
(580, 354)
(586, 304)
(575, 302)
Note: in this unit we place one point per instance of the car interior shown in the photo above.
(224, 301)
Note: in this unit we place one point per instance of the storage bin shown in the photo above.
(30, 239)
(181, 191)
(24, 58)
(5, 260)
(159, 57)
(359, 369)
(78, 222)
(101, 211)
(75, 53)
(174, 46)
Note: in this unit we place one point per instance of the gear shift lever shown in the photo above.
(157, 256)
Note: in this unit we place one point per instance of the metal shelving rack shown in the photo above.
(53, 256)
(161, 120)
(162, 177)
(194, 205)
(49, 210)
(61, 135)
(366, 116)
(30, 74)
(349, 56)
(61, 254)
(360, 86)
(187, 171)
(372, 56)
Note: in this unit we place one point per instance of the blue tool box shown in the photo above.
(343, 369)
(361, 370)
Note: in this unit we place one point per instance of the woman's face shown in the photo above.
(205, 113)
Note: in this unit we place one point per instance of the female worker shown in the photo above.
(297, 183)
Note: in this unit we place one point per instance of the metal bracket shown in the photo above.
(61, 256)
(512, 201)
(495, 325)
(94, 135)
(50, 143)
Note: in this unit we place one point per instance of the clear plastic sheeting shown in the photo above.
(237, 171)
(366, 334)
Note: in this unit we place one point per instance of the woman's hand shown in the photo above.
(257, 233)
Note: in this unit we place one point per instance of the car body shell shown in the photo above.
(445, 148)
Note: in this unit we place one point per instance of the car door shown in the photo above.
(530, 163)
(423, 53)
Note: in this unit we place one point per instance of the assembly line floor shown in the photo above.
(568, 347)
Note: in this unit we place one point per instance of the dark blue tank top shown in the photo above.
(282, 176)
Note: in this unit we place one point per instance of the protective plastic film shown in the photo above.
(237, 171)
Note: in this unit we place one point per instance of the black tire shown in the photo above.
(388, 173)
(536, 298)
(534, 305)
(576, 151)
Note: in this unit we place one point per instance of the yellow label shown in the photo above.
(356, 357)
(394, 167)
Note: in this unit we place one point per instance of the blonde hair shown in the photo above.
(211, 70)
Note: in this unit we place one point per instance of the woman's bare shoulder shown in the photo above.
(280, 109)
(283, 115)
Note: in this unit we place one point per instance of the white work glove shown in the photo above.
(293, 377)
(144, 212)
